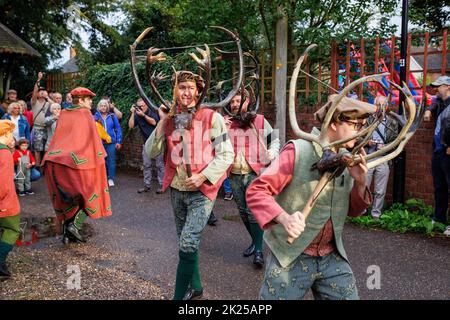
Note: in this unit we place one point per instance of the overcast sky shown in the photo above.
(112, 19)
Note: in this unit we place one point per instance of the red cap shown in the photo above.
(82, 92)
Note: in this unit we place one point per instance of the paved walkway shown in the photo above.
(133, 255)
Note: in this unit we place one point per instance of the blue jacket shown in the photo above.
(24, 126)
(112, 126)
(441, 132)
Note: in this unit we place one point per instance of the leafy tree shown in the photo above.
(175, 23)
(44, 25)
(192, 18)
(110, 44)
(319, 22)
(182, 22)
(430, 15)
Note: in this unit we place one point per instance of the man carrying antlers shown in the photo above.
(247, 130)
(317, 259)
(197, 154)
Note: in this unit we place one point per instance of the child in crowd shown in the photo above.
(24, 161)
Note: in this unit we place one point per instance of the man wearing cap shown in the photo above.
(440, 160)
(9, 204)
(251, 157)
(74, 167)
(194, 170)
(39, 106)
(438, 105)
(316, 259)
(11, 97)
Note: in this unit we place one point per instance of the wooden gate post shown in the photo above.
(280, 62)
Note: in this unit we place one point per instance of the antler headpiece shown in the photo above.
(204, 63)
(333, 163)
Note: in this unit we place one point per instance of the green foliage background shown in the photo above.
(115, 81)
(112, 25)
(413, 216)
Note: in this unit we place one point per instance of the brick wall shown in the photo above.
(131, 154)
(419, 183)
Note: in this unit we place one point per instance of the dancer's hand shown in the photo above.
(359, 172)
(228, 122)
(195, 181)
(163, 115)
(294, 224)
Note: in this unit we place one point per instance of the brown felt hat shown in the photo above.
(347, 108)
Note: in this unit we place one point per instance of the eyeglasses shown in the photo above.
(355, 125)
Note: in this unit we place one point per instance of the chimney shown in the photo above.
(73, 52)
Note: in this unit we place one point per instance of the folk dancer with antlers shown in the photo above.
(9, 203)
(75, 168)
(248, 133)
(197, 153)
(317, 258)
(317, 169)
(192, 193)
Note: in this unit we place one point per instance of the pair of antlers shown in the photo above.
(332, 164)
(156, 55)
(254, 86)
(409, 123)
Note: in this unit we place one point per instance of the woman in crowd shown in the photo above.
(28, 114)
(22, 127)
(111, 124)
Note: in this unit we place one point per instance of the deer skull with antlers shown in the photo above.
(333, 163)
(155, 55)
